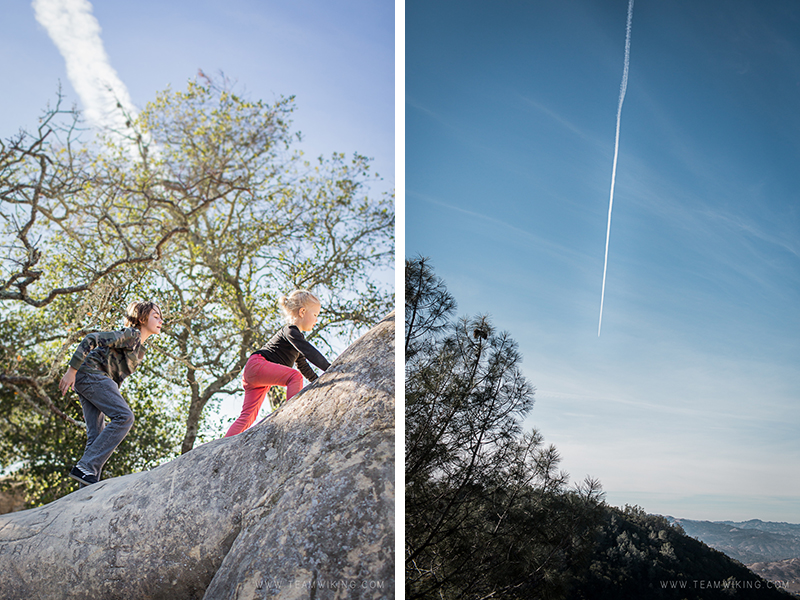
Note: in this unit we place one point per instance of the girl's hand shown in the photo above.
(67, 381)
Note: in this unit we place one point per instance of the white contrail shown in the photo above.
(622, 88)
(76, 33)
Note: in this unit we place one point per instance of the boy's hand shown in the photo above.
(67, 381)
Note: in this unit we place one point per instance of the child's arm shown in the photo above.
(307, 371)
(306, 350)
(110, 339)
(127, 338)
(67, 381)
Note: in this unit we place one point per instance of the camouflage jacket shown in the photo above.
(113, 353)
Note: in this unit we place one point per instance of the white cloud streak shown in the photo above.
(76, 33)
(623, 88)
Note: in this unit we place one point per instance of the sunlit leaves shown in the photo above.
(215, 217)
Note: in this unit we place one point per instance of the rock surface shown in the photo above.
(299, 506)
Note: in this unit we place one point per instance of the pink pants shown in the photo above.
(258, 376)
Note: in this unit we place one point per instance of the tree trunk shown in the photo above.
(196, 405)
(300, 505)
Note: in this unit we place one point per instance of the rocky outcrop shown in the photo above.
(299, 506)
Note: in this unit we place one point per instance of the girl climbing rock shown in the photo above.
(272, 365)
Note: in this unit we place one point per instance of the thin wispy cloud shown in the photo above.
(552, 248)
(742, 224)
(565, 123)
(76, 33)
(467, 137)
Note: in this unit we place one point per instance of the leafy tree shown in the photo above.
(270, 222)
(204, 206)
(487, 511)
(60, 237)
(488, 514)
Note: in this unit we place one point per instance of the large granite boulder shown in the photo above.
(299, 506)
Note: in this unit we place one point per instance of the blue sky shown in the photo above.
(688, 404)
(338, 61)
(336, 58)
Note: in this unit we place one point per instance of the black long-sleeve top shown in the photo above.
(289, 346)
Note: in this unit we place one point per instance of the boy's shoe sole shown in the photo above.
(81, 477)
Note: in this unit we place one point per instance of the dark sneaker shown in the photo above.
(79, 475)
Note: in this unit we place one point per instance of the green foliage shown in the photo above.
(206, 208)
(429, 307)
(261, 221)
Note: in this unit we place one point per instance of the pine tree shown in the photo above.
(487, 510)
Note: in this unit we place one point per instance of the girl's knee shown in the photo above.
(294, 384)
(295, 381)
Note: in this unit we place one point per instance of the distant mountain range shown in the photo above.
(772, 550)
(785, 571)
(639, 556)
(748, 542)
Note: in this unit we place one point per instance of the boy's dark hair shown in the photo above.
(138, 312)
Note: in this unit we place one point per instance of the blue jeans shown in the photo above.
(100, 397)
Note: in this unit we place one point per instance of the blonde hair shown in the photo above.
(138, 312)
(291, 304)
